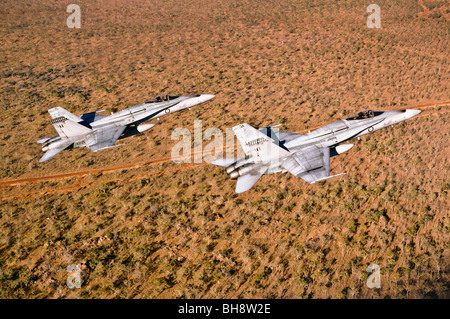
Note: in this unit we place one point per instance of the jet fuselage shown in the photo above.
(325, 138)
(98, 131)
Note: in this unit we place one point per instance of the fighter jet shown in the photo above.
(98, 132)
(308, 155)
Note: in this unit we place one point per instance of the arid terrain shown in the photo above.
(141, 226)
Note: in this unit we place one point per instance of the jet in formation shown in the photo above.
(307, 156)
(97, 132)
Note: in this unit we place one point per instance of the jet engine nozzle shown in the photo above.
(239, 163)
(234, 174)
(242, 170)
(231, 168)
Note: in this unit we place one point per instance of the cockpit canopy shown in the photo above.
(364, 115)
(163, 98)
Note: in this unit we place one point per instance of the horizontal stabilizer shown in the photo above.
(50, 153)
(224, 162)
(244, 183)
(42, 141)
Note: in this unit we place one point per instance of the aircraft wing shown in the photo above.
(311, 163)
(104, 138)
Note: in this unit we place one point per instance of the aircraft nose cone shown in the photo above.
(206, 97)
(412, 113)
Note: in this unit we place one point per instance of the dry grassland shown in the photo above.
(165, 230)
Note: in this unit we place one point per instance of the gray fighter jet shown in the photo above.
(304, 155)
(98, 132)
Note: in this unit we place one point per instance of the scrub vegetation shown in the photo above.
(166, 230)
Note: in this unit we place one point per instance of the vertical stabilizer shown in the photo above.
(59, 111)
(66, 124)
(258, 145)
